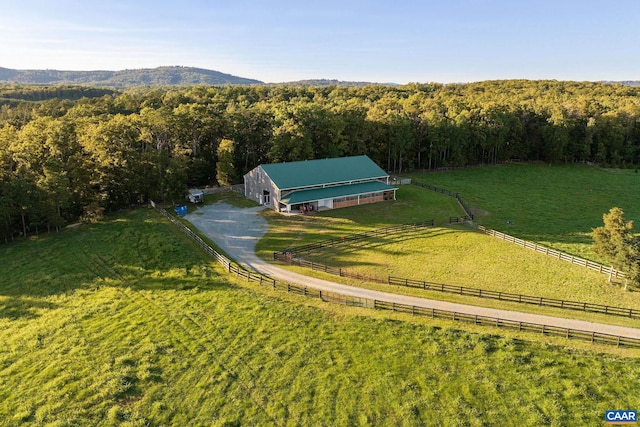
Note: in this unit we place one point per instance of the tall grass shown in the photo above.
(126, 323)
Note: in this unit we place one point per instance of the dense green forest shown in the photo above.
(70, 153)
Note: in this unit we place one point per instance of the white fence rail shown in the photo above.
(554, 253)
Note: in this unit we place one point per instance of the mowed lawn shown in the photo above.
(127, 323)
(553, 205)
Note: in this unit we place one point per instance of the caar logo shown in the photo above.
(620, 417)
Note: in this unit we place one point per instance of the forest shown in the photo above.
(73, 153)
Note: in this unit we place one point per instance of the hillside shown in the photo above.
(125, 78)
(127, 323)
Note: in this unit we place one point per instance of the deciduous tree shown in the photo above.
(616, 242)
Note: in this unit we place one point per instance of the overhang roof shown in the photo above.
(311, 173)
(306, 196)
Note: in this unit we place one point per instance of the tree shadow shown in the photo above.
(14, 308)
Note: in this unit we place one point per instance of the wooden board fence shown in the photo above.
(554, 253)
(466, 291)
(395, 229)
(263, 280)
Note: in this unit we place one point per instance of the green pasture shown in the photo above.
(557, 206)
(554, 198)
(461, 257)
(126, 323)
(413, 204)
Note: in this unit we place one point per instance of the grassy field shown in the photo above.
(126, 323)
(465, 258)
(557, 206)
(458, 255)
(413, 204)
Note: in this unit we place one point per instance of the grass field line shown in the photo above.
(159, 311)
(199, 337)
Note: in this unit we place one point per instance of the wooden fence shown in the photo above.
(357, 237)
(337, 271)
(386, 305)
(464, 290)
(524, 299)
(459, 219)
(594, 337)
(554, 254)
(456, 196)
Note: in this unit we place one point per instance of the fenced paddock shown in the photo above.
(523, 299)
(553, 253)
(529, 245)
(456, 196)
(263, 280)
(466, 291)
(356, 237)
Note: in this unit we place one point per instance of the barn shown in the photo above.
(312, 185)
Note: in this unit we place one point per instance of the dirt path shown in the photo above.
(237, 230)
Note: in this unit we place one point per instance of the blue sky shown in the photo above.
(380, 41)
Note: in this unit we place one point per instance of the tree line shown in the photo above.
(75, 157)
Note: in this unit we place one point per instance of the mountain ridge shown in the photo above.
(169, 76)
(158, 76)
(166, 75)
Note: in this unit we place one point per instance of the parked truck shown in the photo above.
(196, 196)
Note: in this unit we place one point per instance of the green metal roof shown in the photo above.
(326, 171)
(306, 196)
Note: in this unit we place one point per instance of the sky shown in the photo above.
(397, 41)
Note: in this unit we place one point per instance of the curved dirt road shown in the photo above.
(237, 230)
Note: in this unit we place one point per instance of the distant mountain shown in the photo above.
(623, 82)
(125, 78)
(630, 83)
(328, 82)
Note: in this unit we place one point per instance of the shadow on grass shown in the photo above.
(341, 255)
(176, 279)
(127, 247)
(14, 308)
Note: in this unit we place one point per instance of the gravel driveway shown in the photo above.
(237, 230)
